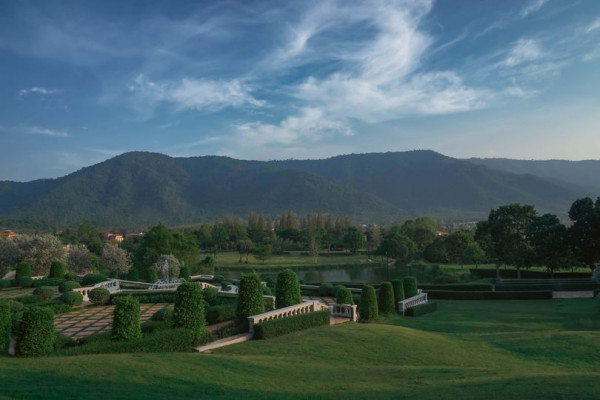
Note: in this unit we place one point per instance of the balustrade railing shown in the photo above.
(420, 298)
(297, 309)
(345, 311)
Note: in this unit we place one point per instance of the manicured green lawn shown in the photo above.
(467, 349)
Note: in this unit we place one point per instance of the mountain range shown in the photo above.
(138, 189)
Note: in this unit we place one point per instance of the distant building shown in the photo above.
(8, 234)
(441, 233)
(134, 234)
(117, 237)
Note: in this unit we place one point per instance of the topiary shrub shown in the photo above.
(57, 270)
(25, 282)
(44, 293)
(165, 314)
(47, 282)
(23, 271)
(126, 319)
(4, 283)
(72, 298)
(184, 273)
(152, 275)
(368, 304)
(343, 295)
(99, 296)
(421, 309)
(70, 276)
(133, 275)
(326, 290)
(398, 286)
(210, 295)
(250, 297)
(5, 326)
(68, 286)
(218, 278)
(287, 289)
(189, 308)
(36, 332)
(92, 279)
(55, 305)
(386, 299)
(410, 286)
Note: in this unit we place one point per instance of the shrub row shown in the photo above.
(278, 327)
(48, 282)
(479, 287)
(5, 326)
(67, 286)
(92, 279)
(143, 298)
(525, 274)
(547, 286)
(36, 332)
(421, 309)
(57, 306)
(224, 312)
(455, 295)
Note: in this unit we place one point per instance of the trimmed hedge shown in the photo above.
(44, 293)
(36, 332)
(287, 289)
(30, 299)
(454, 295)
(386, 299)
(421, 309)
(326, 290)
(5, 326)
(23, 271)
(189, 308)
(133, 275)
(99, 296)
(48, 282)
(126, 319)
(343, 295)
(57, 270)
(398, 286)
(368, 304)
(479, 287)
(68, 286)
(55, 305)
(554, 286)
(92, 279)
(224, 312)
(146, 297)
(72, 298)
(184, 273)
(250, 297)
(278, 327)
(164, 314)
(25, 282)
(410, 286)
(4, 283)
(151, 275)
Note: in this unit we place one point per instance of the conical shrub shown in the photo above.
(343, 295)
(368, 304)
(386, 298)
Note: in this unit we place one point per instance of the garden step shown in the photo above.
(244, 337)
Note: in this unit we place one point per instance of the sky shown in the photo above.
(84, 81)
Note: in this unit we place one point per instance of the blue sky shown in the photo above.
(81, 81)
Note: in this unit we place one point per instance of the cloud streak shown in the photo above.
(36, 130)
(37, 90)
(532, 7)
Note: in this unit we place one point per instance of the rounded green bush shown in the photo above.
(92, 279)
(250, 297)
(398, 290)
(23, 271)
(287, 289)
(99, 296)
(189, 308)
(184, 273)
(343, 295)
(44, 292)
(386, 298)
(133, 275)
(326, 290)
(25, 282)
(210, 295)
(72, 298)
(67, 286)
(126, 319)
(36, 332)
(70, 276)
(410, 286)
(152, 275)
(5, 326)
(57, 270)
(368, 304)
(218, 278)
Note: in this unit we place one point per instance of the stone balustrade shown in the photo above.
(297, 309)
(111, 285)
(345, 311)
(420, 298)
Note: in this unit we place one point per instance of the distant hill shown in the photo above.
(577, 174)
(139, 188)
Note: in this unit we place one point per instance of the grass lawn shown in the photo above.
(467, 349)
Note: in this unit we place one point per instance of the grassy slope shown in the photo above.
(492, 349)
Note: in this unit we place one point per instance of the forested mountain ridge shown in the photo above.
(140, 188)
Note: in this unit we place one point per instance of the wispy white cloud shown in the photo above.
(37, 90)
(525, 50)
(594, 25)
(36, 130)
(532, 7)
(195, 94)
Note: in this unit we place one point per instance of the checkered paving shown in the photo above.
(14, 293)
(325, 300)
(89, 320)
